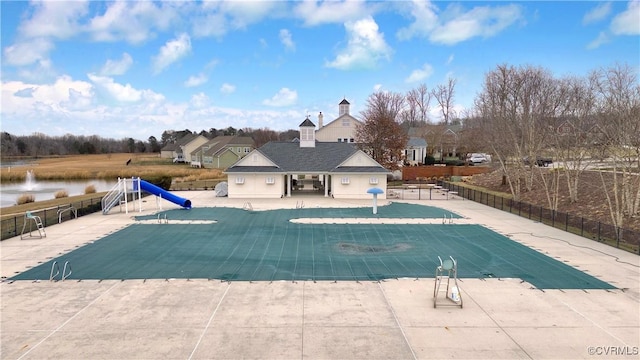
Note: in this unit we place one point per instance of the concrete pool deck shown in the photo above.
(391, 319)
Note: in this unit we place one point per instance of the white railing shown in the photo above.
(114, 196)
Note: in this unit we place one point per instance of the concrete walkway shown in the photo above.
(393, 319)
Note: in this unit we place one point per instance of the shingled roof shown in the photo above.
(291, 158)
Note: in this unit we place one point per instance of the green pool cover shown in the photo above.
(265, 246)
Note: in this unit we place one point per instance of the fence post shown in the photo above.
(540, 214)
(581, 226)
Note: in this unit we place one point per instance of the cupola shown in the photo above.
(307, 133)
(344, 107)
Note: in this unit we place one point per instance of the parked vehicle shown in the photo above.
(477, 158)
(540, 161)
(179, 159)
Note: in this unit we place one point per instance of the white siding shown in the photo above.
(358, 186)
(256, 186)
(255, 158)
(336, 130)
(360, 159)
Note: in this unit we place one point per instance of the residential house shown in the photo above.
(222, 151)
(416, 151)
(307, 166)
(168, 151)
(183, 146)
(442, 141)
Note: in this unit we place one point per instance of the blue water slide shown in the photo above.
(158, 191)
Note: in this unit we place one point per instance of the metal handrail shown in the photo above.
(62, 211)
(64, 270)
(55, 266)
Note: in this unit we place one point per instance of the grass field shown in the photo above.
(108, 167)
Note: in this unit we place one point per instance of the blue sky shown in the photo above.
(136, 68)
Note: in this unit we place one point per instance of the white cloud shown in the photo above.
(286, 40)
(227, 88)
(244, 13)
(132, 21)
(119, 92)
(323, 12)
(27, 52)
(212, 64)
(117, 67)
(596, 14)
(450, 59)
(627, 22)
(456, 25)
(284, 97)
(365, 48)
(216, 18)
(199, 100)
(426, 19)
(171, 52)
(377, 87)
(196, 80)
(209, 24)
(55, 19)
(23, 105)
(421, 74)
(601, 39)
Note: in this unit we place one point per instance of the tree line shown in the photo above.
(41, 145)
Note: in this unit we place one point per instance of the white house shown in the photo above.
(307, 166)
(342, 129)
(415, 151)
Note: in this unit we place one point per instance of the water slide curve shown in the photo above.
(158, 191)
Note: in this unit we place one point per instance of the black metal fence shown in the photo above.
(621, 238)
(12, 225)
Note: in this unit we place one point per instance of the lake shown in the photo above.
(45, 190)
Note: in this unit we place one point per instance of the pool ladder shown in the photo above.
(56, 268)
(299, 204)
(247, 206)
(446, 220)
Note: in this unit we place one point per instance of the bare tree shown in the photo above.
(574, 130)
(515, 107)
(444, 95)
(380, 133)
(263, 136)
(618, 101)
(418, 102)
